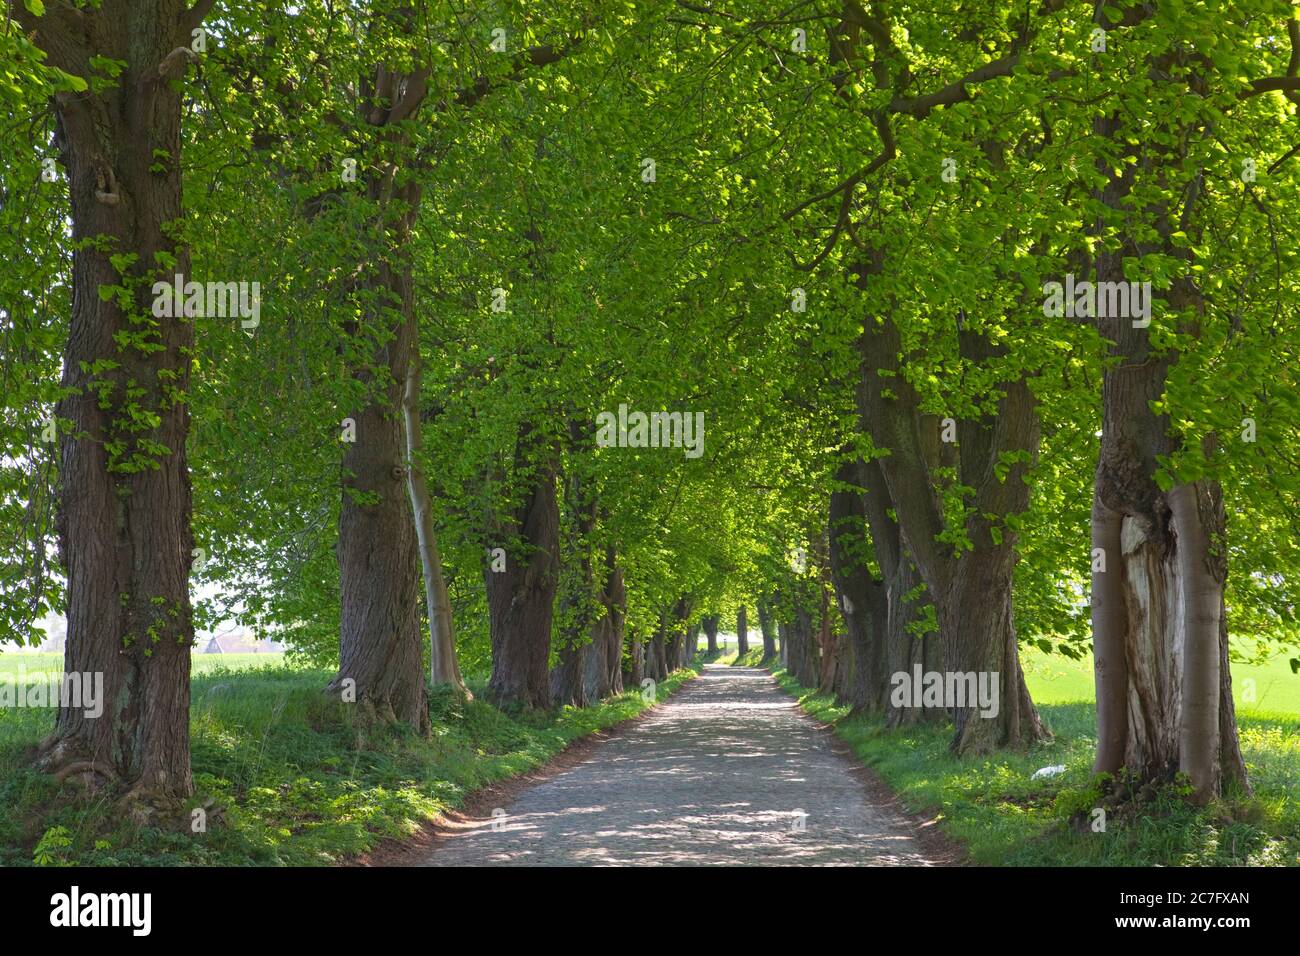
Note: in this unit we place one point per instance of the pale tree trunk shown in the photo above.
(1160, 638)
(124, 520)
(443, 668)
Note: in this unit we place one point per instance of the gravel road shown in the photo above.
(728, 771)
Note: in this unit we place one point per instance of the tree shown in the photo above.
(125, 539)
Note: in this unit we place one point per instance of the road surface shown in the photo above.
(727, 771)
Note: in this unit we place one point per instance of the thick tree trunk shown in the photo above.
(1160, 641)
(971, 591)
(580, 636)
(692, 645)
(768, 628)
(595, 673)
(976, 617)
(827, 644)
(710, 624)
(635, 672)
(656, 663)
(125, 539)
(862, 601)
(521, 598)
(569, 676)
(803, 647)
(742, 632)
(443, 667)
(905, 651)
(380, 647)
(615, 600)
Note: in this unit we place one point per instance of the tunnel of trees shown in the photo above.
(542, 341)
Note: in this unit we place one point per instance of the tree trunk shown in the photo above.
(615, 600)
(568, 677)
(803, 648)
(443, 667)
(768, 628)
(1160, 641)
(971, 591)
(521, 598)
(595, 674)
(742, 632)
(861, 600)
(827, 645)
(657, 664)
(380, 647)
(580, 635)
(124, 520)
(905, 651)
(635, 672)
(692, 645)
(710, 624)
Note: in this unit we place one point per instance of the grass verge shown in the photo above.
(285, 777)
(1006, 818)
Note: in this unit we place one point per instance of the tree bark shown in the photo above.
(803, 649)
(124, 519)
(1160, 640)
(580, 634)
(827, 644)
(635, 672)
(971, 591)
(768, 628)
(443, 667)
(710, 624)
(521, 598)
(380, 652)
(742, 632)
(863, 602)
(615, 600)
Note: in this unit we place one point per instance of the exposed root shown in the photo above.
(83, 766)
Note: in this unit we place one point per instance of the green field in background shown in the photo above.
(13, 662)
(1053, 679)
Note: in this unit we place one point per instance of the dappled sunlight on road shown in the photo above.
(729, 771)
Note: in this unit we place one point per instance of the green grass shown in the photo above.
(34, 663)
(286, 776)
(1267, 689)
(991, 805)
(751, 658)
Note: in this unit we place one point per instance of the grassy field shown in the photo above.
(34, 663)
(286, 777)
(1005, 818)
